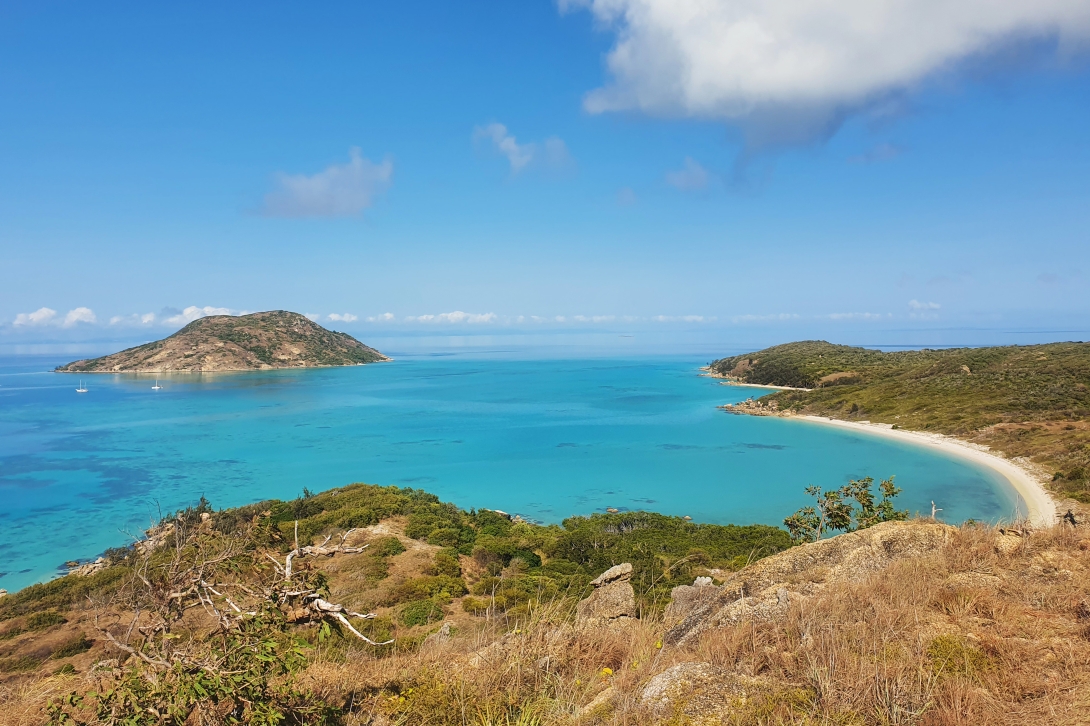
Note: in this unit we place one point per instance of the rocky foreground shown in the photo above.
(259, 341)
(910, 622)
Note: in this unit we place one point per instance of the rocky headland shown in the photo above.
(259, 341)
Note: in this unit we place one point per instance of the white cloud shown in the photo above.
(680, 318)
(48, 316)
(595, 318)
(313, 316)
(135, 319)
(384, 318)
(764, 318)
(41, 316)
(343, 318)
(552, 153)
(193, 312)
(855, 316)
(802, 63)
(79, 315)
(917, 305)
(557, 155)
(692, 177)
(519, 155)
(341, 190)
(455, 317)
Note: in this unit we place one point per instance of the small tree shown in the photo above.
(849, 508)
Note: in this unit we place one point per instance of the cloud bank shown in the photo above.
(455, 317)
(341, 190)
(170, 316)
(47, 316)
(794, 67)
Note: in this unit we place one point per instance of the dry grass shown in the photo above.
(964, 636)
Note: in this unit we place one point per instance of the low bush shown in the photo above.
(73, 646)
(421, 612)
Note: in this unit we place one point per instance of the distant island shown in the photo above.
(1030, 401)
(259, 341)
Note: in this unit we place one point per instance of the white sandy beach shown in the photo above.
(1041, 509)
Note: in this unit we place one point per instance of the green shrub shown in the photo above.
(43, 620)
(73, 646)
(58, 593)
(438, 587)
(445, 537)
(951, 655)
(19, 664)
(475, 605)
(387, 547)
(446, 564)
(421, 612)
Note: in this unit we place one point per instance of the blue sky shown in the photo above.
(597, 165)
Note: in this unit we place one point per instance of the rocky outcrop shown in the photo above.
(613, 598)
(276, 339)
(756, 407)
(89, 568)
(765, 589)
(686, 599)
(700, 693)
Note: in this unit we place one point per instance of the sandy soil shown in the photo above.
(1041, 508)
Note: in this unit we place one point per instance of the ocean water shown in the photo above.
(542, 438)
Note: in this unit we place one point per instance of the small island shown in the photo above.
(259, 341)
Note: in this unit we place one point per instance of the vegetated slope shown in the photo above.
(275, 339)
(1031, 401)
(425, 562)
(907, 622)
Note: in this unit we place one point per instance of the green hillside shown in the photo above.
(1031, 401)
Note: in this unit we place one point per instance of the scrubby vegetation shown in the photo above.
(211, 626)
(969, 632)
(1031, 401)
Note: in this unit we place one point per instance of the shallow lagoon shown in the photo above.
(542, 438)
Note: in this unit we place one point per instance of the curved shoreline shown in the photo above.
(1040, 506)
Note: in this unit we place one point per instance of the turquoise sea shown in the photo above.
(542, 438)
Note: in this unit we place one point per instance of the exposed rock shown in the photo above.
(756, 407)
(613, 597)
(155, 538)
(685, 599)
(600, 704)
(1007, 542)
(764, 589)
(622, 571)
(90, 568)
(3, 593)
(275, 339)
(438, 637)
(700, 693)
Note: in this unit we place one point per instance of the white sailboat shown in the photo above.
(156, 387)
(81, 389)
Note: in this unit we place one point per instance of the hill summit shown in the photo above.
(259, 341)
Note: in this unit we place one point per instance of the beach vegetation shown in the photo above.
(1028, 401)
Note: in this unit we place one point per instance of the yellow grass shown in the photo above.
(964, 636)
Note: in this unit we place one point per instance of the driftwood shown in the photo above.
(159, 601)
(322, 550)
